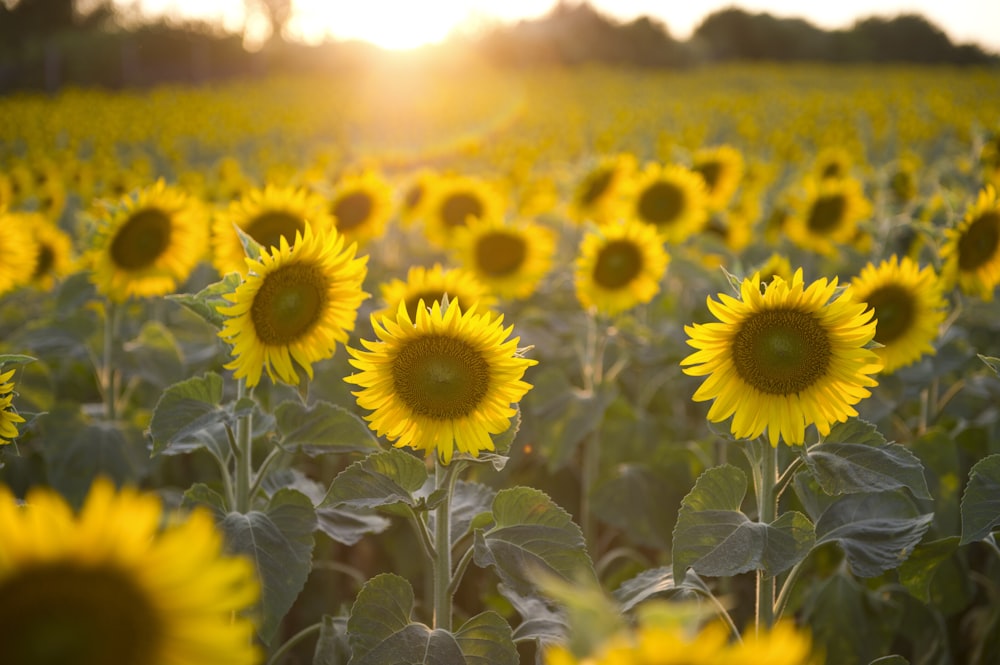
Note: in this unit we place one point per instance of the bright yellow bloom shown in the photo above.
(971, 253)
(54, 259)
(597, 196)
(672, 198)
(441, 383)
(9, 418)
(431, 285)
(18, 250)
(827, 214)
(784, 359)
(509, 259)
(454, 200)
(360, 206)
(112, 584)
(721, 167)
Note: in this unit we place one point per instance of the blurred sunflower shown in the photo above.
(9, 417)
(413, 202)
(147, 244)
(783, 359)
(6, 192)
(989, 159)
(971, 252)
(456, 199)
(721, 168)
(672, 198)
(443, 382)
(296, 303)
(832, 163)
(19, 251)
(431, 285)
(112, 584)
(619, 266)
(54, 258)
(361, 205)
(903, 178)
(597, 197)
(909, 307)
(777, 265)
(267, 215)
(827, 215)
(510, 260)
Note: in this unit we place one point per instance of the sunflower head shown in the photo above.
(454, 201)
(415, 195)
(597, 196)
(672, 198)
(54, 259)
(510, 260)
(971, 252)
(9, 417)
(721, 168)
(783, 358)
(19, 250)
(113, 585)
(442, 383)
(361, 206)
(827, 213)
(433, 285)
(296, 303)
(148, 243)
(832, 163)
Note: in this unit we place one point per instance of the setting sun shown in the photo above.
(391, 25)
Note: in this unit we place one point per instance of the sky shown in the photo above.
(400, 24)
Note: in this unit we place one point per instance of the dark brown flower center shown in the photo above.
(661, 203)
(288, 304)
(618, 263)
(895, 311)
(594, 186)
(499, 254)
(440, 377)
(353, 210)
(142, 239)
(827, 213)
(459, 207)
(268, 228)
(781, 351)
(979, 242)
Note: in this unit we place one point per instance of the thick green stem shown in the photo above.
(283, 650)
(591, 466)
(244, 456)
(443, 479)
(767, 507)
(786, 589)
(108, 388)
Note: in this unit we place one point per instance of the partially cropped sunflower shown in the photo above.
(785, 358)
(415, 194)
(361, 206)
(909, 307)
(971, 252)
(296, 303)
(509, 259)
(721, 167)
(442, 383)
(147, 244)
(826, 216)
(989, 159)
(456, 199)
(9, 417)
(672, 198)
(619, 266)
(832, 163)
(777, 265)
(431, 285)
(266, 215)
(18, 249)
(54, 258)
(116, 583)
(597, 196)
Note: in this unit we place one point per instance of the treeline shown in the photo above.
(46, 44)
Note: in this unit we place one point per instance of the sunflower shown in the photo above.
(971, 252)
(619, 266)
(597, 197)
(54, 258)
(909, 307)
(784, 358)
(443, 382)
(361, 206)
(510, 260)
(832, 163)
(777, 265)
(826, 216)
(266, 215)
(18, 249)
(111, 584)
(413, 203)
(456, 199)
(431, 285)
(721, 168)
(295, 304)
(672, 198)
(147, 244)
(9, 418)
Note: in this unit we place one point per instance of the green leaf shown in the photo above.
(503, 441)
(890, 660)
(382, 479)
(855, 430)
(991, 362)
(201, 494)
(205, 302)
(624, 499)
(189, 416)
(15, 359)
(715, 538)
(540, 622)
(156, 355)
(251, 247)
(655, 583)
(322, 428)
(918, 570)
(98, 449)
(981, 501)
(850, 468)
(332, 647)
(468, 501)
(380, 630)
(531, 534)
(846, 621)
(876, 531)
(486, 639)
(280, 542)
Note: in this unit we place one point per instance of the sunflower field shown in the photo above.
(467, 366)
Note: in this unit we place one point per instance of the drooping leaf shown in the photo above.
(531, 534)
(981, 501)
(991, 362)
(205, 302)
(322, 428)
(656, 583)
(849, 468)
(918, 570)
(189, 415)
(15, 359)
(381, 479)
(486, 639)
(279, 541)
(332, 647)
(540, 621)
(468, 501)
(877, 531)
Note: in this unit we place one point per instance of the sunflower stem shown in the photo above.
(444, 478)
(786, 589)
(767, 507)
(244, 455)
(292, 641)
(108, 388)
(591, 466)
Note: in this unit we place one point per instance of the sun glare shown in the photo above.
(390, 25)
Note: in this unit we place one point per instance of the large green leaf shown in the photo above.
(849, 468)
(918, 570)
(540, 621)
(280, 542)
(846, 621)
(190, 415)
(205, 302)
(623, 500)
(156, 355)
(877, 531)
(381, 479)
(322, 428)
(96, 449)
(855, 430)
(531, 534)
(658, 583)
(981, 501)
(715, 538)
(468, 501)
(486, 639)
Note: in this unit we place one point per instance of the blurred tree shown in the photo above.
(277, 13)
